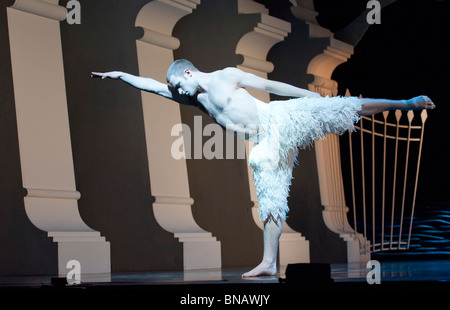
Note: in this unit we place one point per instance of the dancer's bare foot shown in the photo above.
(263, 269)
(420, 102)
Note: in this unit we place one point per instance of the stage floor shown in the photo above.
(405, 281)
(397, 271)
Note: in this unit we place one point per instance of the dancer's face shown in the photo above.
(185, 84)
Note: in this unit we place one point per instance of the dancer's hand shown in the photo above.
(112, 75)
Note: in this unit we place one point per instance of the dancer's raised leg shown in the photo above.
(272, 232)
(374, 106)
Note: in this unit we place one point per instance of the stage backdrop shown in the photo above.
(109, 150)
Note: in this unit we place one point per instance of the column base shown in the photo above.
(358, 248)
(294, 248)
(200, 251)
(88, 248)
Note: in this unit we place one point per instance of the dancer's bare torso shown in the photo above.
(226, 101)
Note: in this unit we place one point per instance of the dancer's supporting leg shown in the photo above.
(272, 233)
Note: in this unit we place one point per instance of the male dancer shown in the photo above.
(279, 128)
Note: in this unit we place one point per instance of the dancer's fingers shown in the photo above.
(97, 75)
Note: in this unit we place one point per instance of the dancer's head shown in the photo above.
(179, 76)
(178, 68)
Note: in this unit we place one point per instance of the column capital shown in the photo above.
(323, 65)
(49, 9)
(255, 45)
(160, 16)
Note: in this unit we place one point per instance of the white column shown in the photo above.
(254, 46)
(168, 176)
(51, 202)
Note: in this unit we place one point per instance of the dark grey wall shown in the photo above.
(24, 248)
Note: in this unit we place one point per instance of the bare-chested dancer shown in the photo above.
(279, 127)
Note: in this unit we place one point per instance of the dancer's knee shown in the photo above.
(273, 219)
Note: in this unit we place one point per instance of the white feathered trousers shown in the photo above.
(291, 125)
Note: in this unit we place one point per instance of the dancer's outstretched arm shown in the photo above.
(245, 79)
(146, 84)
